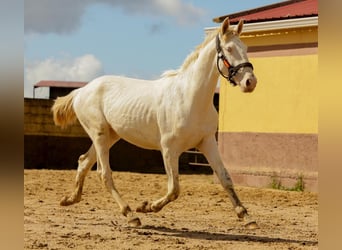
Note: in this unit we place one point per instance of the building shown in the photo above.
(58, 88)
(271, 135)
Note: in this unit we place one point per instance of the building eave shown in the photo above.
(276, 25)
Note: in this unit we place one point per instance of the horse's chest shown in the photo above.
(193, 129)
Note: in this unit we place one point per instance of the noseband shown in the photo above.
(232, 70)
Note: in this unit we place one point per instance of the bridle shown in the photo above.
(232, 70)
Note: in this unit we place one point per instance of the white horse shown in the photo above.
(171, 114)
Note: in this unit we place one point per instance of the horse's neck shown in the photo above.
(203, 77)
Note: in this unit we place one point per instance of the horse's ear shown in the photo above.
(225, 25)
(239, 27)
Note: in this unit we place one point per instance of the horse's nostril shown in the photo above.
(248, 83)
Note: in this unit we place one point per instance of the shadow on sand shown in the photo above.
(203, 235)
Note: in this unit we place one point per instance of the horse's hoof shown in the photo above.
(69, 200)
(241, 212)
(134, 222)
(251, 225)
(65, 201)
(144, 208)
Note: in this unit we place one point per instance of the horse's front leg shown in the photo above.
(208, 147)
(171, 168)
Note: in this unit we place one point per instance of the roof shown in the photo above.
(60, 84)
(278, 11)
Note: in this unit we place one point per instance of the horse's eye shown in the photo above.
(229, 49)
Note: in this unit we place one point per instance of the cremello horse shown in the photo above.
(171, 114)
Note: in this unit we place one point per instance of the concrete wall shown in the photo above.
(273, 132)
(38, 120)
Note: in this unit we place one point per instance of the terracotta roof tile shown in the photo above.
(61, 84)
(282, 10)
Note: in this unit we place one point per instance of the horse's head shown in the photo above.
(232, 60)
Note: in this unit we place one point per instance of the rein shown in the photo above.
(232, 70)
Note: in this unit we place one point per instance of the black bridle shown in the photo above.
(232, 70)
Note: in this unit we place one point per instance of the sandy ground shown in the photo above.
(201, 218)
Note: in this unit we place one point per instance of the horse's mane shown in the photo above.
(192, 57)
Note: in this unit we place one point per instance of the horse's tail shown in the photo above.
(63, 111)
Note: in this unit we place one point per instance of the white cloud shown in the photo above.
(84, 68)
(51, 16)
(185, 13)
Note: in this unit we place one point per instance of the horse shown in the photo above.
(171, 114)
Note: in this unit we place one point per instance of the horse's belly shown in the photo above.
(140, 132)
(133, 117)
(139, 139)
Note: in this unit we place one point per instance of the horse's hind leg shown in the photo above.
(85, 162)
(103, 140)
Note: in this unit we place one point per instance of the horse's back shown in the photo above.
(114, 90)
(128, 105)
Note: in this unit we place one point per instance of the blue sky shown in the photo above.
(78, 40)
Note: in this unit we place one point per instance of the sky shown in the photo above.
(79, 40)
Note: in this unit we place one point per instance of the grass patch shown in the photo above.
(299, 186)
